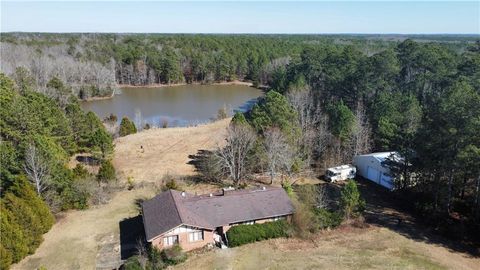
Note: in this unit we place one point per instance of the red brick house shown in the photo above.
(193, 221)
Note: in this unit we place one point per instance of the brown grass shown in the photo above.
(73, 241)
(373, 248)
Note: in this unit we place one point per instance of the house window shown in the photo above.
(170, 240)
(248, 222)
(278, 218)
(195, 236)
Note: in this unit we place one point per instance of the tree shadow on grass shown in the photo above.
(385, 209)
(131, 231)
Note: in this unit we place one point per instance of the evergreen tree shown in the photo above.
(106, 171)
(127, 127)
(350, 199)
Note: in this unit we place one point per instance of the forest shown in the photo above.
(93, 64)
(332, 103)
(39, 134)
(329, 98)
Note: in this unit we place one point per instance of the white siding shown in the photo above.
(181, 229)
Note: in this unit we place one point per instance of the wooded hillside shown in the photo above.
(92, 64)
(39, 134)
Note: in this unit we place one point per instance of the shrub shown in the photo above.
(327, 219)
(244, 234)
(170, 183)
(127, 127)
(80, 172)
(222, 113)
(132, 264)
(173, 255)
(130, 183)
(106, 171)
(303, 220)
(5, 258)
(287, 186)
(350, 200)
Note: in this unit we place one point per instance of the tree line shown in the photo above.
(92, 64)
(39, 134)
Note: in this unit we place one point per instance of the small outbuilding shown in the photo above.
(375, 167)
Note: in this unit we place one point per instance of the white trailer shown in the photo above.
(340, 173)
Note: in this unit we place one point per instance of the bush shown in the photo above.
(303, 220)
(287, 186)
(80, 172)
(350, 200)
(127, 127)
(132, 264)
(222, 113)
(327, 219)
(170, 183)
(106, 171)
(173, 255)
(243, 234)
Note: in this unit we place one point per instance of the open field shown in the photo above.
(78, 238)
(371, 248)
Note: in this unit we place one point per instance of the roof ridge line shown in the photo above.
(176, 207)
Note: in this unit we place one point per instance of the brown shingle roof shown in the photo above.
(170, 209)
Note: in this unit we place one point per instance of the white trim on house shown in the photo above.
(182, 228)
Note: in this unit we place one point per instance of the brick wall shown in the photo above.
(185, 243)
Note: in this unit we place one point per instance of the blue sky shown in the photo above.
(242, 17)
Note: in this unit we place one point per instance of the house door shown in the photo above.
(373, 174)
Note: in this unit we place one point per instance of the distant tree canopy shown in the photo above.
(38, 135)
(92, 64)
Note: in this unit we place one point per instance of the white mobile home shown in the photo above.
(340, 173)
(374, 167)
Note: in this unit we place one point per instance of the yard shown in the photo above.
(373, 248)
(91, 239)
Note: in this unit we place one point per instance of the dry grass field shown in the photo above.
(371, 248)
(76, 239)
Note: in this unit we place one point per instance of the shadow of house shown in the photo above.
(131, 232)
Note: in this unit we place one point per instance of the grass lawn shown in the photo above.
(372, 248)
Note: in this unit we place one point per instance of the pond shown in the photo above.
(177, 105)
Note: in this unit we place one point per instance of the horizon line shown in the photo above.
(238, 33)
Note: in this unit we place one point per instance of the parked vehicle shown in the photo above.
(340, 173)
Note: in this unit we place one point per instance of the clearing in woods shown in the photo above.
(76, 241)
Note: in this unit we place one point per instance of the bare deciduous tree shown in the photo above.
(142, 252)
(314, 124)
(233, 156)
(139, 123)
(361, 135)
(321, 197)
(278, 152)
(36, 168)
